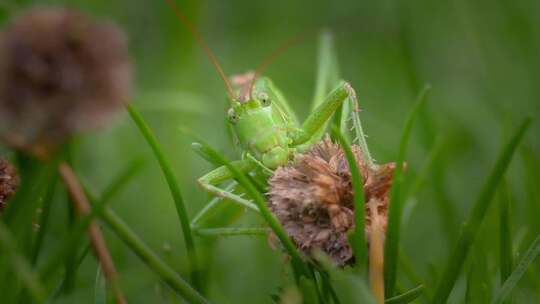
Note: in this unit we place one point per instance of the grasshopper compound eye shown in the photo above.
(264, 98)
(231, 114)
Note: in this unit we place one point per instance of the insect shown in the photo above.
(265, 126)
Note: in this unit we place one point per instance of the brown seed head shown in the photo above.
(9, 181)
(313, 198)
(242, 84)
(60, 72)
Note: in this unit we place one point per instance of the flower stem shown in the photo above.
(170, 277)
(96, 237)
(173, 187)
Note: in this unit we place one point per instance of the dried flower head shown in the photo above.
(313, 198)
(60, 72)
(242, 84)
(9, 181)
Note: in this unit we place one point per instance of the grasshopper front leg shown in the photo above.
(318, 118)
(210, 181)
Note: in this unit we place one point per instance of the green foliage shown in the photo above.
(396, 203)
(174, 188)
(358, 241)
(529, 257)
(472, 224)
(386, 52)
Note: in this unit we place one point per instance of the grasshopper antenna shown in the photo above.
(203, 44)
(271, 57)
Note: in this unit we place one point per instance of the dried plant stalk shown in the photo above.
(94, 232)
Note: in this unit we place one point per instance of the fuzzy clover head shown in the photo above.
(60, 73)
(9, 182)
(313, 198)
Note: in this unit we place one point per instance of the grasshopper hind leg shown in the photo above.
(221, 174)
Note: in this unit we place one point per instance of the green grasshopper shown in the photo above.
(267, 129)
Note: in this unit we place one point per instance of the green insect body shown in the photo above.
(268, 131)
(266, 128)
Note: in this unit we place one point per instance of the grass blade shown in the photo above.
(121, 179)
(478, 276)
(80, 259)
(95, 235)
(391, 253)
(174, 188)
(358, 237)
(265, 212)
(43, 219)
(406, 297)
(20, 265)
(516, 275)
(76, 234)
(350, 287)
(232, 231)
(505, 238)
(471, 225)
(100, 289)
(116, 185)
(169, 276)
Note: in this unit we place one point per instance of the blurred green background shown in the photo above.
(482, 59)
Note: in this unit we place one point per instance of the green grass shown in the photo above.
(512, 280)
(476, 216)
(458, 167)
(358, 241)
(407, 296)
(20, 266)
(396, 203)
(505, 236)
(174, 188)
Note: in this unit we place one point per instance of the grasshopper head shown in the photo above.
(258, 131)
(252, 113)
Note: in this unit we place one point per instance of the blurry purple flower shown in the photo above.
(60, 72)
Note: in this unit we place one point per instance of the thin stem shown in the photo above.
(217, 232)
(376, 256)
(43, 219)
(358, 238)
(407, 296)
(516, 275)
(94, 232)
(173, 187)
(110, 191)
(391, 253)
(476, 216)
(505, 238)
(80, 259)
(169, 276)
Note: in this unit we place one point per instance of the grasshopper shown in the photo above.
(266, 128)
